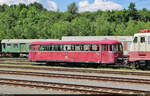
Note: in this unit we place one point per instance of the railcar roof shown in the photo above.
(76, 42)
(142, 34)
(91, 38)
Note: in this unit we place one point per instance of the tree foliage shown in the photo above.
(72, 8)
(35, 22)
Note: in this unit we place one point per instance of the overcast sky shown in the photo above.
(84, 5)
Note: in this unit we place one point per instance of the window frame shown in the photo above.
(15, 45)
(135, 40)
(8, 45)
(142, 39)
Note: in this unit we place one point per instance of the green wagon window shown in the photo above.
(15, 46)
(8, 45)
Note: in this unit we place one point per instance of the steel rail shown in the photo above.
(83, 77)
(80, 70)
(72, 87)
(54, 88)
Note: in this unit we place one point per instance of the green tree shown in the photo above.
(133, 11)
(103, 27)
(81, 26)
(72, 8)
(61, 29)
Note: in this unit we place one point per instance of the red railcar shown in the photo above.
(105, 51)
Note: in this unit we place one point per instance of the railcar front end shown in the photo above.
(140, 48)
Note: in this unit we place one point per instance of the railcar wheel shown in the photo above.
(147, 64)
(95, 65)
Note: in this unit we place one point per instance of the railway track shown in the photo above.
(83, 77)
(80, 70)
(14, 59)
(51, 86)
(79, 77)
(25, 61)
(70, 87)
(17, 61)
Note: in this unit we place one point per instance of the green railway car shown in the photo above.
(17, 47)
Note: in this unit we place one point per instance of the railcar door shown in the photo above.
(104, 53)
(33, 52)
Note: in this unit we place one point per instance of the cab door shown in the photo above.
(104, 53)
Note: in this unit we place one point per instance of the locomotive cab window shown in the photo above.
(135, 40)
(148, 39)
(142, 39)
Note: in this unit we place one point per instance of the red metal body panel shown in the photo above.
(69, 56)
(137, 55)
(75, 56)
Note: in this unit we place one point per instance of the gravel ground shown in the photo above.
(82, 82)
(5, 89)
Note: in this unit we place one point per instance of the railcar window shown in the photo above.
(82, 47)
(72, 47)
(95, 47)
(57, 48)
(142, 39)
(86, 47)
(62, 47)
(41, 48)
(135, 40)
(51, 47)
(115, 47)
(105, 47)
(67, 47)
(33, 48)
(77, 47)
(120, 48)
(110, 48)
(15, 46)
(45, 48)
